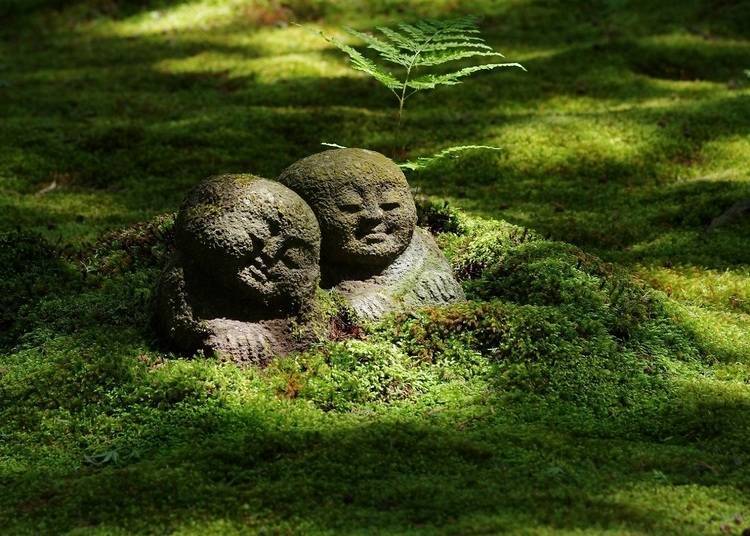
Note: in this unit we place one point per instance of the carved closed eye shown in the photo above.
(392, 205)
(350, 207)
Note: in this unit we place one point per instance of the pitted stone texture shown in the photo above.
(420, 276)
(180, 321)
(246, 265)
(254, 238)
(372, 253)
(363, 204)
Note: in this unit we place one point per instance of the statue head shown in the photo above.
(363, 204)
(255, 239)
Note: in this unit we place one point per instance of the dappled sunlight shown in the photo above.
(267, 69)
(724, 159)
(68, 212)
(726, 334)
(585, 396)
(202, 15)
(658, 497)
(723, 290)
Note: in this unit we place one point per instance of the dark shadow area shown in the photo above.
(569, 22)
(89, 9)
(718, 63)
(231, 465)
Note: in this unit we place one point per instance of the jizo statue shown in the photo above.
(251, 254)
(247, 262)
(371, 251)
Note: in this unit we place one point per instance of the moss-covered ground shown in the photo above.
(597, 382)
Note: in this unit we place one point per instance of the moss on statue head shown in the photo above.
(253, 238)
(362, 201)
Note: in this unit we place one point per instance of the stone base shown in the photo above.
(181, 318)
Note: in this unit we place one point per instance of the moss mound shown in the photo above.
(544, 319)
(551, 337)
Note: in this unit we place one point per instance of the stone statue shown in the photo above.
(245, 270)
(371, 250)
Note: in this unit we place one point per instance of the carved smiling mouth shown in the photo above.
(373, 235)
(257, 273)
(375, 238)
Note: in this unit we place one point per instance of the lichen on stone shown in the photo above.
(363, 203)
(246, 264)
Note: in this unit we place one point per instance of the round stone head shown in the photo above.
(362, 201)
(255, 239)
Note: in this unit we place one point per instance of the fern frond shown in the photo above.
(401, 41)
(431, 81)
(426, 161)
(361, 63)
(463, 35)
(454, 44)
(425, 43)
(414, 33)
(387, 51)
(426, 27)
(439, 58)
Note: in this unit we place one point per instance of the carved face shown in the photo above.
(268, 260)
(363, 203)
(370, 221)
(255, 238)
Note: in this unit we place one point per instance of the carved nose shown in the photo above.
(373, 212)
(271, 251)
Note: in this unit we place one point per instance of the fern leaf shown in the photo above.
(425, 43)
(427, 28)
(415, 33)
(361, 63)
(432, 47)
(431, 81)
(387, 51)
(444, 57)
(401, 41)
(426, 161)
(452, 35)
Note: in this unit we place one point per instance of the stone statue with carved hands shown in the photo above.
(245, 270)
(372, 252)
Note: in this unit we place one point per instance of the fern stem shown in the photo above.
(404, 96)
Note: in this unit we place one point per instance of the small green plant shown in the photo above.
(423, 162)
(424, 44)
(427, 43)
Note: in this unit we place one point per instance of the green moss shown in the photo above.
(29, 269)
(567, 397)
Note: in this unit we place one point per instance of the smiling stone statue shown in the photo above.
(371, 251)
(245, 270)
(250, 254)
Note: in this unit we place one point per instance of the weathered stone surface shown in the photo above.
(247, 264)
(246, 267)
(371, 252)
(254, 238)
(420, 276)
(363, 204)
